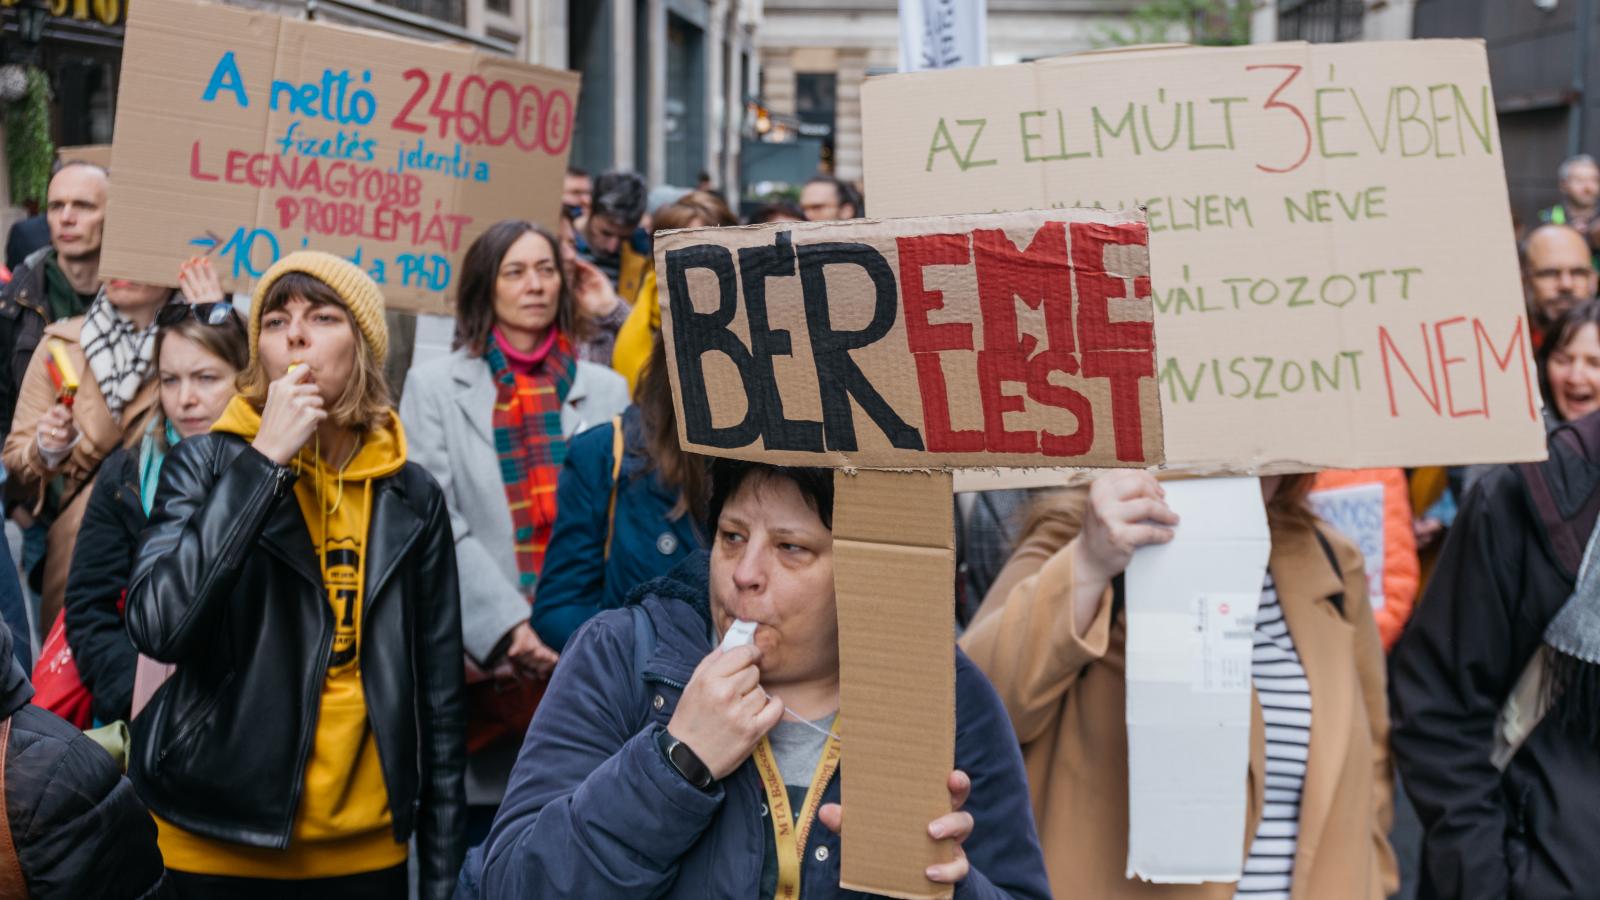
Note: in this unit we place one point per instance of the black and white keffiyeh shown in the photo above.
(120, 354)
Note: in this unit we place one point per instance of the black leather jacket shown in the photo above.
(227, 585)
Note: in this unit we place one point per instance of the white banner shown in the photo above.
(943, 34)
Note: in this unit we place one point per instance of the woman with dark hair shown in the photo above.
(199, 352)
(491, 422)
(631, 502)
(297, 571)
(660, 765)
(1052, 637)
(1569, 364)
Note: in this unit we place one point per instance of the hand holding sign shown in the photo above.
(1127, 510)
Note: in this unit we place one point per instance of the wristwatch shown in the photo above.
(684, 760)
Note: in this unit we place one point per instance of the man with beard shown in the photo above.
(54, 282)
(1557, 274)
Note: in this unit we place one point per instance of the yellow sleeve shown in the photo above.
(638, 333)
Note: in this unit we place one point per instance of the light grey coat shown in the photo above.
(448, 412)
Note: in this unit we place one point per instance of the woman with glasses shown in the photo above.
(200, 350)
(60, 435)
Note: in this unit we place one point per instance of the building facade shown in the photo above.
(816, 53)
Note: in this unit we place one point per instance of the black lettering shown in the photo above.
(838, 377)
(696, 334)
(756, 265)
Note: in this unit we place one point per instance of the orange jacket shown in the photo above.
(1372, 507)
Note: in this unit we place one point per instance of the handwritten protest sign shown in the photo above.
(1335, 280)
(1022, 338)
(246, 135)
(929, 343)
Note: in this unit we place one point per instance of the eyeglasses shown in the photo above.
(218, 313)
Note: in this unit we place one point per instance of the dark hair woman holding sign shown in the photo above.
(299, 573)
(659, 762)
(491, 422)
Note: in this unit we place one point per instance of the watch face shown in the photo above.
(690, 765)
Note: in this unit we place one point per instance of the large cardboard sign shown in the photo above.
(1335, 278)
(1021, 339)
(246, 136)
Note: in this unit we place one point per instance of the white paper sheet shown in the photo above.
(1191, 608)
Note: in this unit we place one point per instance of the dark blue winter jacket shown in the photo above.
(578, 579)
(594, 809)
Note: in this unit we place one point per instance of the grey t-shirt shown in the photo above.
(797, 748)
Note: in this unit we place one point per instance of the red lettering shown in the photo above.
(235, 165)
(939, 435)
(1097, 287)
(1039, 276)
(1386, 345)
(1124, 370)
(916, 254)
(194, 165)
(1445, 362)
(1518, 345)
(1043, 391)
(288, 208)
(995, 369)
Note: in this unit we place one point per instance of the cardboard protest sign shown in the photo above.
(246, 136)
(1335, 278)
(94, 154)
(1356, 511)
(1020, 339)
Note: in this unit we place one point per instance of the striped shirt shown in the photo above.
(1280, 683)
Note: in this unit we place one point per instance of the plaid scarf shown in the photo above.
(529, 443)
(120, 355)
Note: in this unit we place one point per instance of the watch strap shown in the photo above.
(684, 761)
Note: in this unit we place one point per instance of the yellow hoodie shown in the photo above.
(343, 825)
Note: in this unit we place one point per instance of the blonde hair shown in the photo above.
(365, 403)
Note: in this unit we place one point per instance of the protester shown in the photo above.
(779, 211)
(610, 237)
(828, 199)
(57, 443)
(73, 828)
(576, 191)
(638, 334)
(595, 298)
(1579, 181)
(491, 422)
(1505, 628)
(1399, 576)
(25, 237)
(1557, 273)
(1569, 364)
(1052, 636)
(298, 572)
(630, 785)
(14, 606)
(626, 517)
(199, 352)
(53, 283)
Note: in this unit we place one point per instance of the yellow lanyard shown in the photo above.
(788, 833)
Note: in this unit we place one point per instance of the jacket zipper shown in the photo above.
(309, 723)
(653, 678)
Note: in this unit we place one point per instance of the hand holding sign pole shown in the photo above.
(878, 347)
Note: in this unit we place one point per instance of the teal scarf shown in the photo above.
(151, 456)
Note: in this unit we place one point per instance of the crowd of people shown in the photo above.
(303, 632)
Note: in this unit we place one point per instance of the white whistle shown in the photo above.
(739, 634)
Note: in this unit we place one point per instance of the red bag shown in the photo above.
(56, 685)
(500, 704)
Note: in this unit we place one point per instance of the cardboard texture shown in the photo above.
(98, 154)
(1335, 278)
(1021, 339)
(1191, 610)
(894, 568)
(245, 136)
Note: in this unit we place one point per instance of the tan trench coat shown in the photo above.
(1065, 695)
(99, 435)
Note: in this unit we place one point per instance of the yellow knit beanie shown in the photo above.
(359, 293)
